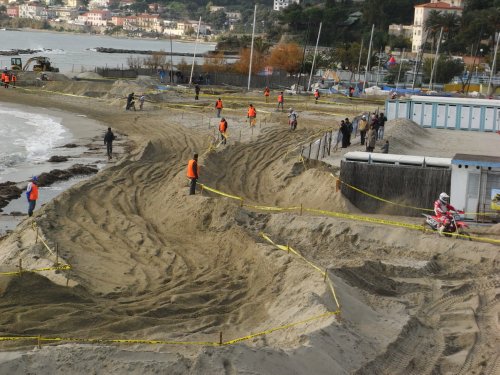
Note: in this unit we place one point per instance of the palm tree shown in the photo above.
(451, 25)
(433, 24)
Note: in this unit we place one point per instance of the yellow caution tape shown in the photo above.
(24, 270)
(350, 216)
(286, 326)
(289, 249)
(379, 198)
(109, 341)
(323, 273)
(270, 208)
(400, 204)
(205, 187)
(167, 342)
(365, 218)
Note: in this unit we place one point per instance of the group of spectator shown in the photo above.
(370, 129)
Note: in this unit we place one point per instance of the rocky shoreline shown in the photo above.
(15, 52)
(10, 190)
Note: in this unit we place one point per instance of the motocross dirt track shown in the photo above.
(150, 262)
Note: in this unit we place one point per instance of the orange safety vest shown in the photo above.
(252, 112)
(218, 104)
(190, 173)
(7, 78)
(266, 92)
(280, 98)
(3, 77)
(14, 78)
(316, 94)
(33, 192)
(223, 126)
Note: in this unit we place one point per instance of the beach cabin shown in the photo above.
(447, 113)
(475, 186)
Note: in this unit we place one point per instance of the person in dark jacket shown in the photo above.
(130, 101)
(349, 131)
(196, 92)
(109, 137)
(344, 129)
(385, 147)
(381, 123)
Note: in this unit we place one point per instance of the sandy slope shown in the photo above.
(150, 262)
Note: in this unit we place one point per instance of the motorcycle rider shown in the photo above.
(292, 119)
(442, 208)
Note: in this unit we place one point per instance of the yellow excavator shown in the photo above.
(40, 64)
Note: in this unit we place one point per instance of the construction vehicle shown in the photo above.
(40, 64)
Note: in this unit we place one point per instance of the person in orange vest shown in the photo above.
(6, 81)
(218, 106)
(14, 79)
(252, 115)
(316, 96)
(32, 194)
(222, 130)
(3, 76)
(281, 101)
(267, 92)
(193, 171)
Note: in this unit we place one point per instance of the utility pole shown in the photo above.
(494, 64)
(436, 58)
(251, 48)
(400, 66)
(194, 54)
(368, 58)
(314, 58)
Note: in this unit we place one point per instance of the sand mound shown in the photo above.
(494, 229)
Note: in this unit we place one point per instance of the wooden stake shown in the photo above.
(301, 209)
(39, 343)
(288, 248)
(36, 240)
(220, 338)
(241, 203)
(326, 273)
(20, 267)
(57, 254)
(202, 189)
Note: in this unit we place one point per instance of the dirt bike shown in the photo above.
(455, 225)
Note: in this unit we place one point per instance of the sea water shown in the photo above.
(27, 140)
(75, 53)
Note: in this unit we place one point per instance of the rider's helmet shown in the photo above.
(34, 178)
(444, 198)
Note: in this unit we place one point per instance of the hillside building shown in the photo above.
(422, 13)
(281, 4)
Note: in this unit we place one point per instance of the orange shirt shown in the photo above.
(223, 126)
(252, 112)
(190, 170)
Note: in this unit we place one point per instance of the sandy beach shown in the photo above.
(149, 262)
